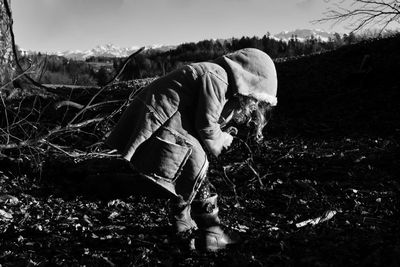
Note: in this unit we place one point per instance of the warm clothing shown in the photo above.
(251, 72)
(165, 128)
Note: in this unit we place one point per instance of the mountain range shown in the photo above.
(110, 50)
(304, 34)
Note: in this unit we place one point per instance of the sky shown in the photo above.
(59, 25)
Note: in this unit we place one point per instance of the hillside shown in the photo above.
(352, 90)
(322, 190)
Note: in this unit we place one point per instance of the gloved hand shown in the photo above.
(223, 142)
(227, 140)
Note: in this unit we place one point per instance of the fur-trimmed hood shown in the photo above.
(251, 72)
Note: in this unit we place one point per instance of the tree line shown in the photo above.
(151, 63)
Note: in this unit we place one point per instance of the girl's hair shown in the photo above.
(253, 113)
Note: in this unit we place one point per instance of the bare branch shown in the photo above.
(105, 86)
(43, 138)
(363, 13)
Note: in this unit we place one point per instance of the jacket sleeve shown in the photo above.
(210, 104)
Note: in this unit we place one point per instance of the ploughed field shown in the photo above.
(322, 190)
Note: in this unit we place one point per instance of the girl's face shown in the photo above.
(229, 111)
(252, 113)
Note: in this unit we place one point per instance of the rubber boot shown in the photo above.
(183, 226)
(211, 236)
(181, 219)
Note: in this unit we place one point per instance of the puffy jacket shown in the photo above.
(182, 111)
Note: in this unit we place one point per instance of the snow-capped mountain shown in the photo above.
(303, 34)
(108, 50)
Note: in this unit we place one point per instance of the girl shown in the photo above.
(170, 126)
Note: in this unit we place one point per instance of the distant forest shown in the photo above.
(151, 63)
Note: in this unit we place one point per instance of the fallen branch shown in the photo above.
(250, 162)
(232, 184)
(105, 86)
(284, 156)
(17, 77)
(59, 148)
(69, 103)
(84, 123)
(325, 217)
(43, 138)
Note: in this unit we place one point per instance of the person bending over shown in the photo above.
(172, 124)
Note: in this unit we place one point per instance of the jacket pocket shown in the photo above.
(162, 157)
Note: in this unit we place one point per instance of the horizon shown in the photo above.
(135, 47)
(62, 25)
